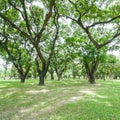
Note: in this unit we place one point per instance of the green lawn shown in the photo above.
(64, 100)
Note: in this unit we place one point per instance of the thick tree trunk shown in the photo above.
(91, 70)
(41, 73)
(91, 78)
(42, 77)
(22, 78)
(59, 75)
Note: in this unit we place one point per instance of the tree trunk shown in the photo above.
(42, 77)
(52, 76)
(74, 76)
(51, 72)
(23, 74)
(59, 75)
(5, 73)
(41, 73)
(91, 70)
(22, 78)
(91, 77)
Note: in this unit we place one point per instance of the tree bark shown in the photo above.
(22, 78)
(52, 76)
(51, 72)
(59, 75)
(91, 77)
(41, 73)
(91, 71)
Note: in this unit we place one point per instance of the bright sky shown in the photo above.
(116, 53)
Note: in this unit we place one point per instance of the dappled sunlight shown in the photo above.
(25, 110)
(55, 117)
(101, 96)
(39, 104)
(88, 92)
(37, 91)
(97, 84)
(35, 106)
(7, 83)
(44, 91)
(13, 89)
(39, 101)
(3, 86)
(7, 94)
(10, 93)
(117, 81)
(74, 98)
(42, 103)
(33, 91)
(1, 90)
(32, 83)
(1, 96)
(106, 103)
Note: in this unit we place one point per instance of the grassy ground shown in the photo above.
(65, 100)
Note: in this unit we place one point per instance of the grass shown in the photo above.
(64, 100)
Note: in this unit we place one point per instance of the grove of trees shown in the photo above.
(69, 37)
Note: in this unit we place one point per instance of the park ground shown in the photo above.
(60, 100)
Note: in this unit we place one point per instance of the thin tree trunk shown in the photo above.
(52, 76)
(51, 72)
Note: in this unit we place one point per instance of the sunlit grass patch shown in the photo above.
(64, 100)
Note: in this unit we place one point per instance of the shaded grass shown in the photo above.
(64, 100)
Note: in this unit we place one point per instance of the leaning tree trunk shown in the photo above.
(23, 74)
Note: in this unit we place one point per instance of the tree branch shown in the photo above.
(9, 1)
(14, 25)
(70, 18)
(75, 7)
(109, 41)
(88, 9)
(56, 17)
(103, 22)
(86, 30)
(26, 17)
(47, 18)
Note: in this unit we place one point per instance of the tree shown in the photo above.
(17, 55)
(35, 23)
(93, 19)
(109, 68)
(89, 55)
(102, 17)
(60, 60)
